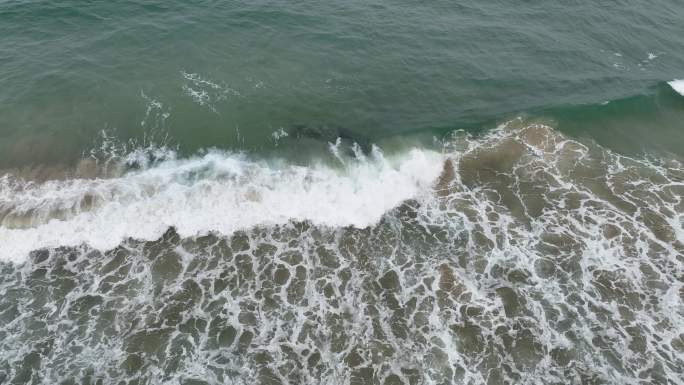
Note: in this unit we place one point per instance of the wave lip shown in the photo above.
(678, 86)
(217, 192)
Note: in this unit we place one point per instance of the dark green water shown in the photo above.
(359, 192)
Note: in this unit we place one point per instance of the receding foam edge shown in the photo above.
(218, 192)
(678, 86)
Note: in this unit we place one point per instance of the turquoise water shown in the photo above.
(361, 192)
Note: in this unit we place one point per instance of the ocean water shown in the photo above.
(362, 192)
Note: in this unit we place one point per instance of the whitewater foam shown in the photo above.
(205, 92)
(533, 258)
(678, 86)
(219, 192)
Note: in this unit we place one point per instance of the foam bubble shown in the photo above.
(206, 92)
(216, 192)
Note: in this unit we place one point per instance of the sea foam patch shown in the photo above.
(218, 192)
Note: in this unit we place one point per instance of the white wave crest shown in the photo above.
(678, 86)
(219, 192)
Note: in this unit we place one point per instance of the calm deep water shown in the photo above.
(344, 192)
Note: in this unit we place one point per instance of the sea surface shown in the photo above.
(341, 192)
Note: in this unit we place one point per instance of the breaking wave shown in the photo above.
(516, 256)
(219, 192)
(677, 85)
